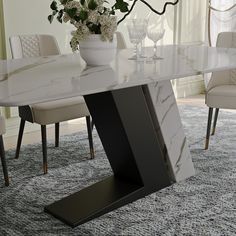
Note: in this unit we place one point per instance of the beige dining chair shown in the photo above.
(54, 112)
(2, 151)
(121, 44)
(221, 90)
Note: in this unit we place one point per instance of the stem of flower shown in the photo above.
(149, 6)
(164, 8)
(130, 10)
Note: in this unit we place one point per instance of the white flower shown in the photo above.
(100, 2)
(108, 28)
(78, 24)
(73, 4)
(66, 18)
(93, 16)
(103, 19)
(98, 20)
(74, 44)
(81, 33)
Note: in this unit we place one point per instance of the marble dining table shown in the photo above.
(134, 109)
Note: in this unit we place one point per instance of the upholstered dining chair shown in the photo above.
(221, 90)
(121, 44)
(54, 112)
(2, 151)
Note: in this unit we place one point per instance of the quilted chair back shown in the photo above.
(23, 46)
(224, 40)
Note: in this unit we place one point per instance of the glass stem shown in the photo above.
(142, 49)
(137, 51)
(155, 49)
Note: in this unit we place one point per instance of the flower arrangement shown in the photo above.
(94, 16)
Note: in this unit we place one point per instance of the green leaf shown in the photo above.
(54, 12)
(121, 5)
(92, 5)
(82, 2)
(77, 18)
(59, 19)
(59, 16)
(65, 1)
(112, 12)
(95, 28)
(50, 18)
(71, 12)
(53, 6)
(83, 15)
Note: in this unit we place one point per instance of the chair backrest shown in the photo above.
(23, 46)
(224, 40)
(121, 44)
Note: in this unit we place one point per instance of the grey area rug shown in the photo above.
(202, 205)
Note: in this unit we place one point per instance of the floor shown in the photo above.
(33, 135)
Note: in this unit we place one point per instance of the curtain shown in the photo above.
(222, 21)
(2, 33)
(4, 111)
(221, 18)
(190, 29)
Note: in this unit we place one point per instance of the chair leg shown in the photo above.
(90, 136)
(57, 131)
(3, 159)
(92, 124)
(208, 127)
(20, 135)
(215, 121)
(44, 146)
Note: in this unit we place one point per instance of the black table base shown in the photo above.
(125, 122)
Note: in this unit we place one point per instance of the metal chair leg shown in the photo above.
(3, 159)
(57, 131)
(20, 135)
(208, 127)
(92, 124)
(215, 121)
(90, 136)
(44, 146)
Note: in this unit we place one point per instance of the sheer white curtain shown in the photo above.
(190, 29)
(222, 21)
(2, 33)
(222, 18)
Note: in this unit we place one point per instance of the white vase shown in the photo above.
(96, 52)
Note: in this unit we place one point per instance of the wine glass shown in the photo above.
(135, 36)
(155, 33)
(142, 33)
(141, 25)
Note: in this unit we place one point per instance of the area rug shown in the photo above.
(205, 204)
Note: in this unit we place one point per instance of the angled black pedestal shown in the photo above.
(126, 128)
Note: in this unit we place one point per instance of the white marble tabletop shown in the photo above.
(34, 80)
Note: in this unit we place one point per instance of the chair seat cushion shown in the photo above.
(2, 126)
(59, 110)
(223, 96)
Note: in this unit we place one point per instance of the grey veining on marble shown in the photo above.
(33, 80)
(170, 130)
